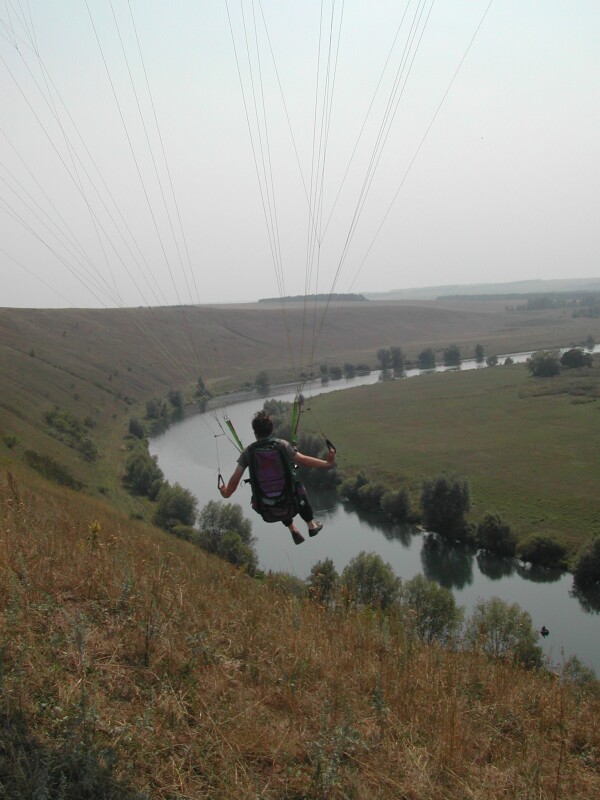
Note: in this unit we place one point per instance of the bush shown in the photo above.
(323, 581)
(587, 565)
(544, 551)
(452, 356)
(369, 496)
(576, 358)
(396, 505)
(445, 503)
(369, 581)
(504, 631)
(52, 469)
(175, 506)
(142, 474)
(9, 440)
(433, 610)
(223, 529)
(426, 359)
(495, 537)
(543, 364)
(136, 428)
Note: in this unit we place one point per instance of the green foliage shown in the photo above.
(263, 383)
(398, 360)
(350, 487)
(370, 495)
(369, 581)
(142, 474)
(176, 399)
(335, 373)
(223, 529)
(72, 431)
(396, 505)
(452, 357)
(136, 428)
(445, 502)
(543, 364)
(575, 358)
(323, 581)
(579, 676)
(544, 551)
(349, 370)
(479, 353)
(495, 537)
(384, 356)
(433, 612)
(587, 565)
(51, 469)
(504, 631)
(426, 359)
(175, 506)
(156, 409)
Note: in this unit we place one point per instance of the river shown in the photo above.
(188, 453)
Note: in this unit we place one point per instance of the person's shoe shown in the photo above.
(316, 529)
(297, 537)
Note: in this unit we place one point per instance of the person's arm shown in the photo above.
(316, 463)
(234, 481)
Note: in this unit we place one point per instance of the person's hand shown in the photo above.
(223, 490)
(331, 457)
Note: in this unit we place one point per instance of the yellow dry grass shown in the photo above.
(195, 681)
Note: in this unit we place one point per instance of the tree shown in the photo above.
(398, 360)
(216, 519)
(590, 342)
(495, 537)
(543, 364)
(452, 356)
(136, 428)
(349, 370)
(587, 565)
(141, 471)
(426, 359)
(445, 503)
(545, 551)
(479, 353)
(263, 383)
(369, 581)
(492, 361)
(575, 358)
(384, 356)
(504, 631)
(434, 614)
(323, 581)
(175, 506)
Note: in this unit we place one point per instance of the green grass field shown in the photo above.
(528, 447)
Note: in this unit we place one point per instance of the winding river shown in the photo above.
(189, 452)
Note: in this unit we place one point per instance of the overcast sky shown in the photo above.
(136, 169)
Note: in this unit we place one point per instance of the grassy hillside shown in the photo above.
(135, 666)
(528, 447)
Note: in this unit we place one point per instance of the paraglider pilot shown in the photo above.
(277, 495)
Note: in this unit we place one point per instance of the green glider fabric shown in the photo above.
(233, 432)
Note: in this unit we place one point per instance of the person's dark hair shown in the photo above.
(262, 425)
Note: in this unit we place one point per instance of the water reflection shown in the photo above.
(451, 565)
(392, 531)
(536, 574)
(588, 600)
(494, 567)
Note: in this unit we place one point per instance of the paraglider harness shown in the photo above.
(273, 481)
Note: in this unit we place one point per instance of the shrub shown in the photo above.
(426, 359)
(495, 537)
(136, 428)
(545, 551)
(396, 505)
(52, 469)
(445, 502)
(175, 506)
(223, 529)
(543, 364)
(433, 610)
(323, 581)
(504, 631)
(587, 565)
(452, 356)
(9, 440)
(369, 496)
(349, 488)
(369, 581)
(576, 358)
(142, 474)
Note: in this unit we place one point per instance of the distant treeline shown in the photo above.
(300, 298)
(583, 303)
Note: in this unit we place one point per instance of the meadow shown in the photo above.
(528, 447)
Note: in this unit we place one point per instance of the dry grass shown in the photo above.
(140, 663)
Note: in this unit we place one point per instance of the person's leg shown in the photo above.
(306, 512)
(290, 525)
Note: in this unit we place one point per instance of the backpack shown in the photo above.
(272, 480)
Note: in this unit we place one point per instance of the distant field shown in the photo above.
(105, 364)
(528, 447)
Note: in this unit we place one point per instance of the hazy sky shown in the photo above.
(358, 160)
